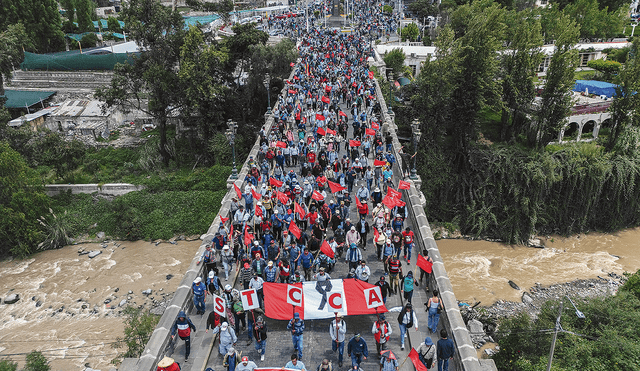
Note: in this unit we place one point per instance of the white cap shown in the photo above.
(225, 247)
(211, 274)
(224, 326)
(198, 280)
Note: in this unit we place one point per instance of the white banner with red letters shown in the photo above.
(322, 299)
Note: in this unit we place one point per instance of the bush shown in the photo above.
(8, 366)
(139, 326)
(89, 40)
(36, 362)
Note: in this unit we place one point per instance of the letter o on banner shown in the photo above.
(373, 297)
(294, 295)
(335, 302)
(218, 305)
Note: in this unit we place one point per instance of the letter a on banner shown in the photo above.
(373, 296)
(335, 301)
(249, 299)
(218, 305)
(294, 295)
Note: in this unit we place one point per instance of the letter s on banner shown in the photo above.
(373, 297)
(335, 302)
(218, 305)
(294, 295)
(249, 299)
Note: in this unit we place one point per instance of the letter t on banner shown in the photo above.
(218, 305)
(294, 295)
(249, 299)
(373, 296)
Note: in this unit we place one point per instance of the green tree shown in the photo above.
(22, 201)
(41, 21)
(89, 40)
(595, 23)
(556, 96)
(8, 366)
(153, 78)
(113, 25)
(395, 60)
(410, 32)
(625, 109)
(518, 64)
(423, 9)
(138, 328)
(607, 69)
(83, 9)
(387, 9)
(633, 284)
(12, 41)
(36, 362)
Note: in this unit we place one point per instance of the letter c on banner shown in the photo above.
(294, 295)
(335, 302)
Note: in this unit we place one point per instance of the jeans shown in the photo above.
(261, 346)
(250, 327)
(433, 319)
(408, 247)
(443, 364)
(297, 344)
(198, 301)
(356, 359)
(339, 346)
(403, 331)
(226, 270)
(408, 295)
(187, 346)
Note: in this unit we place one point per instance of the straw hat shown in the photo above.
(166, 362)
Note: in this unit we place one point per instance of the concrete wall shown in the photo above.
(109, 189)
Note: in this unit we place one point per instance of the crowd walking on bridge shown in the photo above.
(319, 198)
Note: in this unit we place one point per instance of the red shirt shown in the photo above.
(408, 237)
(311, 157)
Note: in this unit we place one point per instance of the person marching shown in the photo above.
(406, 319)
(427, 352)
(231, 359)
(357, 350)
(296, 325)
(389, 362)
(337, 330)
(183, 327)
(199, 290)
(381, 330)
(168, 364)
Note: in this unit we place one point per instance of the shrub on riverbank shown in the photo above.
(511, 193)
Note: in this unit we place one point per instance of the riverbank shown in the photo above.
(70, 304)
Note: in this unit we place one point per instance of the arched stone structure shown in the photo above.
(586, 123)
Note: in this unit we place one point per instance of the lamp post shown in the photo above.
(371, 33)
(558, 328)
(231, 137)
(389, 110)
(267, 82)
(416, 134)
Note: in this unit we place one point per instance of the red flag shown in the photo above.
(256, 195)
(237, 191)
(424, 264)
(231, 232)
(327, 88)
(325, 100)
(393, 193)
(354, 84)
(335, 187)
(258, 210)
(293, 228)
(358, 204)
(248, 237)
(415, 358)
(389, 202)
(404, 185)
(354, 143)
(371, 74)
(369, 131)
(275, 182)
(374, 125)
(321, 131)
(376, 234)
(326, 249)
(281, 144)
(282, 197)
(292, 64)
(223, 220)
(319, 117)
(298, 209)
(379, 163)
(292, 91)
(321, 180)
(340, 113)
(399, 202)
(332, 132)
(317, 196)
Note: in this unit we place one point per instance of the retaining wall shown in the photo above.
(109, 189)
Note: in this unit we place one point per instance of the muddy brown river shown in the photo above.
(73, 326)
(62, 310)
(480, 270)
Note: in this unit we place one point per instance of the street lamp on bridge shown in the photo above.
(390, 74)
(267, 82)
(415, 134)
(231, 137)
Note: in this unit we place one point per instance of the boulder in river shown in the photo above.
(94, 253)
(513, 284)
(11, 299)
(146, 292)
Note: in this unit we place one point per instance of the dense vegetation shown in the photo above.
(35, 361)
(605, 339)
(484, 157)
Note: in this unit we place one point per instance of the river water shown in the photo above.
(73, 325)
(480, 270)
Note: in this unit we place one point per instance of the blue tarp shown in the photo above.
(201, 19)
(596, 87)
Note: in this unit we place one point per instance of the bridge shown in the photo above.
(317, 343)
(585, 122)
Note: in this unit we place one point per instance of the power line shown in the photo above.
(60, 349)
